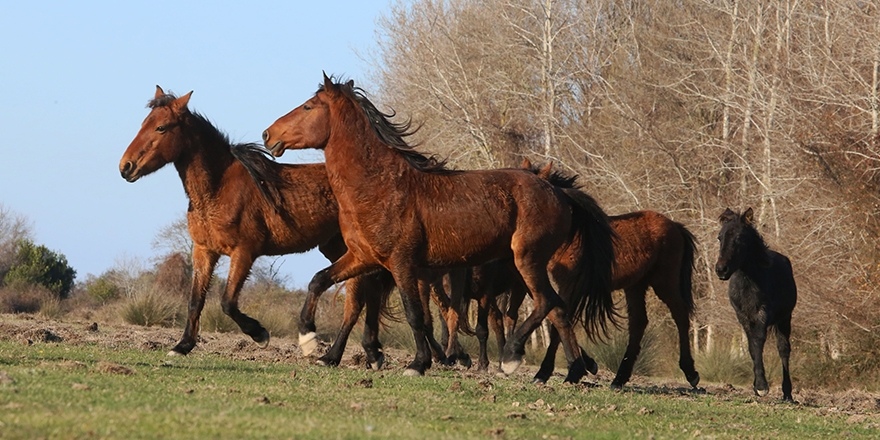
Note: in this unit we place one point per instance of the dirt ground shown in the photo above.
(28, 329)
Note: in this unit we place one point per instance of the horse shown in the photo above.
(650, 251)
(402, 211)
(762, 291)
(244, 204)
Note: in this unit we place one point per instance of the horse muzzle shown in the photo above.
(128, 170)
(723, 271)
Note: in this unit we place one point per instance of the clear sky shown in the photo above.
(75, 78)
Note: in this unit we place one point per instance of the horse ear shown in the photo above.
(748, 217)
(527, 164)
(328, 83)
(179, 104)
(159, 92)
(547, 170)
(350, 83)
(726, 216)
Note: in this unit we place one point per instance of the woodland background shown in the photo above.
(685, 108)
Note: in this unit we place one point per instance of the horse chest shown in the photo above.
(747, 297)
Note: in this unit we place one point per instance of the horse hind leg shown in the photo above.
(783, 346)
(239, 267)
(356, 292)
(681, 317)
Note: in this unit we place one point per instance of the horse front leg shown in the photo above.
(203, 269)
(347, 266)
(240, 264)
(355, 299)
(757, 335)
(637, 322)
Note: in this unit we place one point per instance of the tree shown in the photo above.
(13, 228)
(37, 265)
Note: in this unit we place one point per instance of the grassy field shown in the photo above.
(67, 381)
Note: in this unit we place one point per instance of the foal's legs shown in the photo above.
(783, 345)
(757, 335)
(203, 269)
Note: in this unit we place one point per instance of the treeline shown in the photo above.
(683, 107)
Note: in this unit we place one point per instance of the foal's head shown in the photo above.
(158, 141)
(740, 243)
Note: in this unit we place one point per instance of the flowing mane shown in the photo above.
(391, 133)
(255, 159)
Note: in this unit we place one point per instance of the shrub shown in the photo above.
(609, 353)
(38, 265)
(214, 320)
(102, 290)
(151, 307)
(20, 297)
(722, 364)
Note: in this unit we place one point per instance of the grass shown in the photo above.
(59, 390)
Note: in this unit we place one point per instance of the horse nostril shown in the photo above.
(266, 135)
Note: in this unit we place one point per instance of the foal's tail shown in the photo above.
(687, 267)
(590, 290)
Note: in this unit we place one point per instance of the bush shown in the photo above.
(23, 298)
(38, 265)
(102, 290)
(214, 320)
(151, 307)
(722, 364)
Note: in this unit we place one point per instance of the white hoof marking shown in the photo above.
(411, 372)
(308, 343)
(510, 367)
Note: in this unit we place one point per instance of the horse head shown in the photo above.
(734, 239)
(158, 141)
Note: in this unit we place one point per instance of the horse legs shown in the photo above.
(757, 335)
(347, 266)
(425, 286)
(637, 319)
(360, 291)
(333, 249)
(451, 306)
(239, 266)
(549, 362)
(408, 286)
(783, 346)
(683, 323)
(203, 269)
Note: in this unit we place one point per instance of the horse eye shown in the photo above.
(161, 129)
(307, 107)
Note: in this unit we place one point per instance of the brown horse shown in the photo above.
(402, 211)
(650, 250)
(287, 209)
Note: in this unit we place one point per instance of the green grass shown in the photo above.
(82, 391)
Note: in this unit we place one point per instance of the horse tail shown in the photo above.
(590, 290)
(258, 163)
(385, 282)
(687, 267)
(463, 305)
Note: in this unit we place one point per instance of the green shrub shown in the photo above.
(151, 307)
(103, 291)
(214, 320)
(38, 265)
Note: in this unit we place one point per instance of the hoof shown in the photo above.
(616, 386)
(376, 366)
(308, 343)
(263, 340)
(465, 361)
(510, 367)
(593, 368)
(761, 393)
(412, 372)
(694, 381)
(539, 381)
(175, 353)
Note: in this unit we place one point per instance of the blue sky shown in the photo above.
(75, 78)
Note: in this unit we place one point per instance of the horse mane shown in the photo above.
(252, 156)
(555, 176)
(391, 133)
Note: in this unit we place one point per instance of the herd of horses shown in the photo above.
(387, 216)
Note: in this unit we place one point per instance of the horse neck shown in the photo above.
(355, 151)
(203, 161)
(757, 257)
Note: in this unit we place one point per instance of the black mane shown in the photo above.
(255, 159)
(390, 133)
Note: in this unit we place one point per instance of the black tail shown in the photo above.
(687, 268)
(259, 164)
(590, 291)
